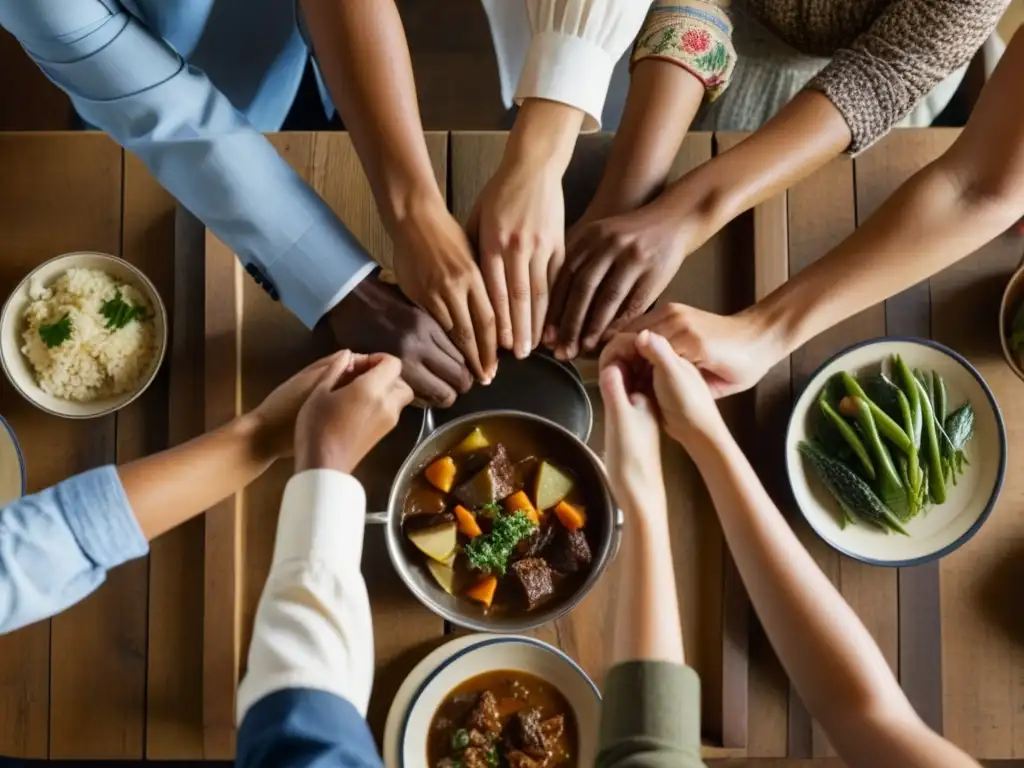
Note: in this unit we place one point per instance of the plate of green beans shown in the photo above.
(896, 451)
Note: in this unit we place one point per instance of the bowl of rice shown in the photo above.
(83, 335)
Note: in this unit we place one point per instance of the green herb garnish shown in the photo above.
(491, 509)
(460, 740)
(119, 312)
(491, 552)
(492, 757)
(55, 334)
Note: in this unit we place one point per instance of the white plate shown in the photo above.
(940, 528)
(405, 737)
(17, 367)
(12, 466)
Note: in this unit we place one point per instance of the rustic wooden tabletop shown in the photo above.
(147, 666)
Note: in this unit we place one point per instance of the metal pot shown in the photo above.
(435, 441)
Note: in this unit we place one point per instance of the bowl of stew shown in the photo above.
(503, 701)
(501, 521)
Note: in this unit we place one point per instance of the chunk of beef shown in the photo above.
(535, 580)
(535, 543)
(552, 730)
(420, 522)
(475, 757)
(479, 738)
(569, 552)
(524, 734)
(490, 484)
(517, 759)
(485, 715)
(447, 762)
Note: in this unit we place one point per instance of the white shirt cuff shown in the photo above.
(570, 70)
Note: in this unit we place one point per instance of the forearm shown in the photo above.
(831, 658)
(646, 619)
(662, 101)
(930, 223)
(807, 133)
(173, 486)
(361, 49)
(544, 136)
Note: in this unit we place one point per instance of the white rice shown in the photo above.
(96, 361)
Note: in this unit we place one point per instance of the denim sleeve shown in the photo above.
(57, 545)
(304, 727)
(123, 79)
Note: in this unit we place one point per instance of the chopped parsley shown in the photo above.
(55, 334)
(492, 757)
(491, 552)
(491, 509)
(119, 312)
(460, 740)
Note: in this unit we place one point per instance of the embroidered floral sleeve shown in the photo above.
(696, 35)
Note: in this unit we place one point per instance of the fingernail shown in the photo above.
(570, 351)
(486, 380)
(522, 353)
(550, 334)
(506, 341)
(589, 343)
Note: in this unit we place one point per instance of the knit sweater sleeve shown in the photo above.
(907, 51)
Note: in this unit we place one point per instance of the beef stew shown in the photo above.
(504, 718)
(500, 519)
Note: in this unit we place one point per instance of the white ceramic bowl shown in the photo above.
(16, 365)
(940, 529)
(448, 667)
(12, 466)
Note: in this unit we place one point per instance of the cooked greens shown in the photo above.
(886, 444)
(491, 552)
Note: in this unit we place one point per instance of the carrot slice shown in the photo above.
(441, 474)
(519, 501)
(573, 518)
(467, 522)
(483, 591)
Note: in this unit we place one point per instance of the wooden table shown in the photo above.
(146, 667)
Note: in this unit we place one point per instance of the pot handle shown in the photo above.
(620, 523)
(376, 518)
(428, 426)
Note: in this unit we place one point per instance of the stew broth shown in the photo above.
(516, 718)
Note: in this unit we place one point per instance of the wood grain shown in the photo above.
(768, 683)
(54, 198)
(697, 546)
(982, 629)
(76, 183)
(879, 173)
(174, 705)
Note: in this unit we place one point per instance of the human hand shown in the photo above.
(632, 444)
(615, 269)
(732, 352)
(685, 406)
(356, 401)
(274, 418)
(518, 226)
(375, 317)
(435, 268)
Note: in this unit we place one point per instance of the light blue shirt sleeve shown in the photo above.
(57, 545)
(134, 86)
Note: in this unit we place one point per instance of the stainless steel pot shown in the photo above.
(435, 441)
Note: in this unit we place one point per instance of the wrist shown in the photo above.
(323, 457)
(781, 321)
(407, 202)
(263, 442)
(544, 136)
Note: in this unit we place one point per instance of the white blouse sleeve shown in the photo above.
(574, 46)
(313, 627)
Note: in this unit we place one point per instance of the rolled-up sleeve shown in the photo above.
(123, 79)
(693, 34)
(650, 717)
(56, 546)
(907, 51)
(573, 49)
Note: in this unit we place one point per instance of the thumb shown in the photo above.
(656, 350)
(613, 390)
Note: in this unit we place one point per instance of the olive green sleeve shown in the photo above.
(650, 717)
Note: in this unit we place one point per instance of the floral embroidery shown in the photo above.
(695, 41)
(694, 34)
